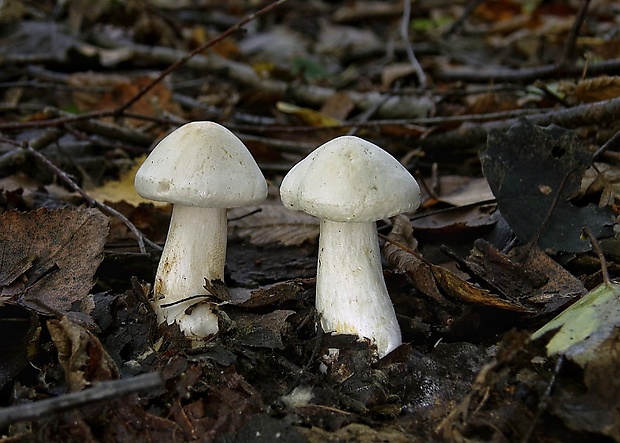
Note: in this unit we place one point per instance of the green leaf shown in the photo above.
(585, 325)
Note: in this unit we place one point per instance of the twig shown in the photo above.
(485, 75)
(613, 142)
(102, 391)
(102, 206)
(471, 135)
(596, 246)
(404, 35)
(458, 23)
(571, 41)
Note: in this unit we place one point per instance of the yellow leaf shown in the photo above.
(123, 189)
(585, 325)
(309, 116)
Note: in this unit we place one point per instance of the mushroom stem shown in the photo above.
(351, 295)
(195, 249)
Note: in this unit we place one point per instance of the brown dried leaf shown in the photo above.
(512, 280)
(416, 268)
(459, 289)
(118, 90)
(591, 90)
(272, 296)
(48, 258)
(434, 281)
(81, 355)
(561, 288)
(274, 223)
(338, 106)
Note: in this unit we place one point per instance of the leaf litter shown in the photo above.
(464, 271)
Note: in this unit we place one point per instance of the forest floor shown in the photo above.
(507, 113)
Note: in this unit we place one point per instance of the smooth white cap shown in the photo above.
(349, 179)
(201, 164)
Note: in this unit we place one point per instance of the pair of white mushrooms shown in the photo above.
(349, 183)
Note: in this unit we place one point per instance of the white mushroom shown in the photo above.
(350, 183)
(202, 168)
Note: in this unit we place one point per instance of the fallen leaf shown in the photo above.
(498, 10)
(117, 90)
(437, 281)
(526, 276)
(459, 289)
(339, 106)
(273, 223)
(457, 221)
(535, 171)
(307, 115)
(463, 191)
(260, 330)
(595, 406)
(123, 189)
(591, 90)
(582, 327)
(48, 258)
(81, 355)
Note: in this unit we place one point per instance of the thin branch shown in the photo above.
(409, 105)
(596, 247)
(472, 134)
(571, 41)
(485, 75)
(102, 206)
(106, 390)
(613, 142)
(404, 34)
(458, 23)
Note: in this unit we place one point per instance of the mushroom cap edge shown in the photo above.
(201, 164)
(349, 179)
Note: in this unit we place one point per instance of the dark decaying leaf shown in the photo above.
(533, 173)
(261, 330)
(527, 276)
(499, 272)
(274, 224)
(49, 258)
(584, 403)
(274, 295)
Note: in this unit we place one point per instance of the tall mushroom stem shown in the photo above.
(195, 249)
(351, 295)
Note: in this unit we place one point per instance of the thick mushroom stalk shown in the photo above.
(199, 233)
(350, 289)
(349, 183)
(202, 169)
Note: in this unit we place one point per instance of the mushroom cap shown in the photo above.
(201, 164)
(349, 179)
